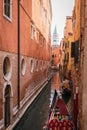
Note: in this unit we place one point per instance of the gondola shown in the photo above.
(66, 92)
(59, 117)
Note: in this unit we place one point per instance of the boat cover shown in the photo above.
(62, 107)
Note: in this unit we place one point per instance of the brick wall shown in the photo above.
(29, 50)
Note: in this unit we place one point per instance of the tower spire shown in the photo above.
(55, 37)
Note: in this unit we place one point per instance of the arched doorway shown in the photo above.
(7, 116)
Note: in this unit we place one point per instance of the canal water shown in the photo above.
(36, 115)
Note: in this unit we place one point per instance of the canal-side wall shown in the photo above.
(31, 83)
(29, 100)
(24, 55)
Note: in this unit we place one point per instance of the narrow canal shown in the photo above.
(37, 114)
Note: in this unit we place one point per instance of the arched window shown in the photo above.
(31, 66)
(37, 65)
(23, 66)
(41, 65)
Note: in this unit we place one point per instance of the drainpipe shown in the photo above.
(18, 54)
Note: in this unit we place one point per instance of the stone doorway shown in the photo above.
(7, 95)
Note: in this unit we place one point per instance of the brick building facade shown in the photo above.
(83, 66)
(24, 55)
(79, 63)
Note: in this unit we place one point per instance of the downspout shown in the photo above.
(18, 54)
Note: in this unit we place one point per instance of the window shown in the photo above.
(7, 68)
(52, 56)
(41, 5)
(68, 44)
(44, 41)
(41, 42)
(67, 56)
(40, 65)
(8, 9)
(41, 39)
(37, 65)
(23, 66)
(32, 66)
(37, 36)
(32, 31)
(45, 17)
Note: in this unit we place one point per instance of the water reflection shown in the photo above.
(55, 85)
(37, 114)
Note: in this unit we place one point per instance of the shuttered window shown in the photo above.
(75, 50)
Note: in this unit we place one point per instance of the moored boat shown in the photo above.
(59, 118)
(66, 89)
(66, 92)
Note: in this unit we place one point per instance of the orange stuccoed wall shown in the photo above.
(34, 68)
(55, 55)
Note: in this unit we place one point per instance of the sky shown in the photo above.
(60, 9)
